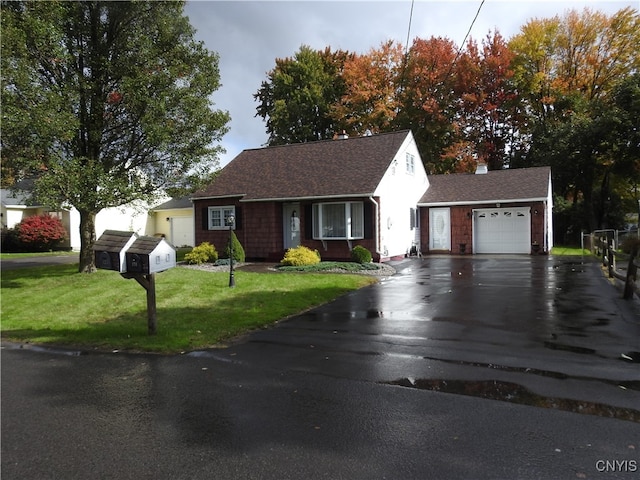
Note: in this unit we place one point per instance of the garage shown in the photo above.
(182, 231)
(502, 230)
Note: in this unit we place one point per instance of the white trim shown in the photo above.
(222, 209)
(482, 202)
(297, 199)
(235, 195)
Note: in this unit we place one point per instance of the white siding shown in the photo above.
(400, 189)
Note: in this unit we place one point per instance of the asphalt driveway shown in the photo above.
(456, 367)
(543, 323)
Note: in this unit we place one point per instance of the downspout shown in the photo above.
(376, 227)
(545, 229)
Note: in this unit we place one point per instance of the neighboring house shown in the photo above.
(174, 221)
(16, 206)
(329, 195)
(371, 191)
(499, 211)
(133, 217)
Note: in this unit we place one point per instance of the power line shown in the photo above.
(464, 40)
(468, 32)
(406, 48)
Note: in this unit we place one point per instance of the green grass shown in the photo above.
(559, 250)
(195, 309)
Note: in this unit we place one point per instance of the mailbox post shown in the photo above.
(139, 258)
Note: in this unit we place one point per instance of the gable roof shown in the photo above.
(518, 184)
(174, 204)
(327, 168)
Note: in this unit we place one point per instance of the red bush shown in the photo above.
(41, 232)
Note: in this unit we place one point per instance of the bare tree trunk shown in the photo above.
(87, 239)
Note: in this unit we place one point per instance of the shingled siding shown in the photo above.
(258, 227)
(260, 230)
(462, 225)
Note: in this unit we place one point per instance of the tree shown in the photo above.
(296, 99)
(487, 98)
(427, 100)
(566, 69)
(105, 103)
(372, 80)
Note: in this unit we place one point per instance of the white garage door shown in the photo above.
(182, 231)
(502, 230)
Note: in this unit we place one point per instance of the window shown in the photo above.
(410, 164)
(338, 220)
(218, 217)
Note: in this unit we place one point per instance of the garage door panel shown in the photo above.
(502, 230)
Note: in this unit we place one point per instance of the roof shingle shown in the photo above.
(328, 168)
(496, 185)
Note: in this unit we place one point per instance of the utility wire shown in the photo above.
(467, 35)
(405, 60)
(464, 40)
(406, 48)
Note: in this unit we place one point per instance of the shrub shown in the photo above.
(41, 232)
(205, 252)
(629, 244)
(10, 240)
(238, 250)
(300, 256)
(359, 254)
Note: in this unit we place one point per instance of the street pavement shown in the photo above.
(38, 261)
(457, 367)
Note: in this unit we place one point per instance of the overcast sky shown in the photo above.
(250, 35)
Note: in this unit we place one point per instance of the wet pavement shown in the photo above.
(456, 367)
(544, 323)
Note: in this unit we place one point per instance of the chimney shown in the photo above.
(342, 135)
(481, 168)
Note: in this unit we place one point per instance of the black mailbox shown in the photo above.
(109, 250)
(150, 255)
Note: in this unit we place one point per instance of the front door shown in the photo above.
(439, 229)
(291, 225)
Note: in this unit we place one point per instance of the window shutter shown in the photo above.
(368, 220)
(238, 218)
(205, 218)
(412, 218)
(308, 221)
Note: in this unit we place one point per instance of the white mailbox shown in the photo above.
(148, 255)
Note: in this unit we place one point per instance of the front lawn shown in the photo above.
(195, 309)
(559, 250)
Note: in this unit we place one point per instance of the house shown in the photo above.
(17, 204)
(329, 195)
(498, 211)
(173, 220)
(372, 191)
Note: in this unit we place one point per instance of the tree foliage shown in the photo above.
(562, 92)
(296, 99)
(106, 103)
